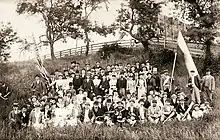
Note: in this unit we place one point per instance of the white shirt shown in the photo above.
(197, 114)
(86, 117)
(142, 112)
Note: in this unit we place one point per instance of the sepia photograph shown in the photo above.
(109, 69)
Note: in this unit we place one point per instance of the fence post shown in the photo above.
(165, 38)
(81, 50)
(91, 49)
(60, 54)
(70, 51)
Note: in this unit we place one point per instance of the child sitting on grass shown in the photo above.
(154, 112)
(197, 113)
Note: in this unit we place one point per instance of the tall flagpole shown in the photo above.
(174, 64)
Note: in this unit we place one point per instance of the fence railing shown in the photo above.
(196, 49)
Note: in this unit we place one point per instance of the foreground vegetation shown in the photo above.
(20, 75)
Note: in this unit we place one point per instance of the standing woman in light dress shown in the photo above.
(141, 86)
(131, 85)
(97, 81)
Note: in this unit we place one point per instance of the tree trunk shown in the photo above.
(146, 48)
(52, 51)
(208, 55)
(145, 45)
(87, 42)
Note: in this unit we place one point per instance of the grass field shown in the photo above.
(21, 75)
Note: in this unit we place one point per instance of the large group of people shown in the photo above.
(115, 95)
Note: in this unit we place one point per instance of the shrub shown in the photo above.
(106, 51)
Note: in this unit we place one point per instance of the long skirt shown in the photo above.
(141, 92)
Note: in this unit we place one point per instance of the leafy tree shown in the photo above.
(140, 20)
(7, 37)
(60, 18)
(89, 7)
(205, 16)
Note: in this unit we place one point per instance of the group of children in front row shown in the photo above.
(115, 95)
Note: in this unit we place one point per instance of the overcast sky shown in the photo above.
(27, 26)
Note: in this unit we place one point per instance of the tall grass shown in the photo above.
(20, 76)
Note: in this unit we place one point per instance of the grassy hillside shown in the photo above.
(20, 75)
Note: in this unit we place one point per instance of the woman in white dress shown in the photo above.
(72, 112)
(112, 84)
(60, 114)
(36, 118)
(131, 87)
(141, 85)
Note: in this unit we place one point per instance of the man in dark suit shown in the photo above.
(151, 83)
(24, 116)
(108, 108)
(157, 80)
(195, 87)
(88, 85)
(133, 112)
(77, 82)
(121, 85)
(38, 87)
(98, 112)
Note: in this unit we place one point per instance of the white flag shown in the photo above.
(190, 65)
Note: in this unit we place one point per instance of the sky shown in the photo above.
(30, 27)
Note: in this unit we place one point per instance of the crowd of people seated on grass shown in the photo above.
(115, 95)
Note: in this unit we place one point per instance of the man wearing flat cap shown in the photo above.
(195, 87)
(165, 82)
(14, 119)
(38, 87)
(151, 83)
(208, 86)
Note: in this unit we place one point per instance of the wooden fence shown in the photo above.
(194, 48)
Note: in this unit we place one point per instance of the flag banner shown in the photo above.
(42, 69)
(190, 65)
(64, 83)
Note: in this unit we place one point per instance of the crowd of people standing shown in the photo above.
(115, 95)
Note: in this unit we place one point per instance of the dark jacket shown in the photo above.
(135, 112)
(82, 115)
(24, 118)
(157, 82)
(180, 109)
(106, 109)
(87, 85)
(98, 114)
(121, 83)
(38, 87)
(119, 115)
(77, 83)
(104, 84)
(196, 80)
(151, 84)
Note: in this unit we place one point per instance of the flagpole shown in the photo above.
(174, 64)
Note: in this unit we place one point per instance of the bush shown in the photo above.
(107, 50)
